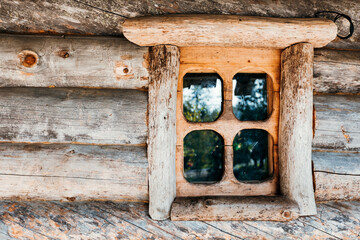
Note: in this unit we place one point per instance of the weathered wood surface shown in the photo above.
(109, 220)
(337, 71)
(65, 115)
(106, 17)
(228, 31)
(164, 63)
(73, 172)
(295, 126)
(337, 122)
(234, 208)
(74, 62)
(100, 62)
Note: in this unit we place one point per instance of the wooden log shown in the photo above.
(337, 122)
(65, 115)
(73, 172)
(164, 74)
(337, 175)
(105, 17)
(234, 208)
(295, 127)
(100, 62)
(337, 71)
(228, 31)
(73, 62)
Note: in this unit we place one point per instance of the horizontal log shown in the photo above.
(337, 71)
(73, 62)
(228, 31)
(105, 17)
(66, 115)
(234, 208)
(337, 122)
(73, 172)
(100, 62)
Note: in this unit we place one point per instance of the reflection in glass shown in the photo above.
(203, 157)
(250, 96)
(251, 161)
(202, 97)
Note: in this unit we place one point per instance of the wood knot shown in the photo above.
(28, 58)
(64, 53)
(286, 214)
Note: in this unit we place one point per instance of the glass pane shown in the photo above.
(251, 158)
(250, 96)
(203, 156)
(202, 97)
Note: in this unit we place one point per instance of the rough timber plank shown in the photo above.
(108, 220)
(73, 172)
(106, 17)
(73, 62)
(251, 32)
(295, 126)
(164, 73)
(337, 122)
(86, 116)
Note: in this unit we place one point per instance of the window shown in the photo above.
(227, 122)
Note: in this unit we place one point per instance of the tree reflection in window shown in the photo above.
(250, 96)
(251, 161)
(203, 156)
(202, 97)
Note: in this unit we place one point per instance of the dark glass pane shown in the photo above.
(249, 96)
(251, 158)
(203, 156)
(202, 97)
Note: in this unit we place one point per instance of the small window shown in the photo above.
(203, 157)
(250, 96)
(202, 97)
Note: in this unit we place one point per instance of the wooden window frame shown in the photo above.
(296, 39)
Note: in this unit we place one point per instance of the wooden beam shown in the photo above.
(73, 172)
(228, 31)
(100, 63)
(295, 127)
(164, 74)
(105, 17)
(66, 115)
(93, 62)
(234, 208)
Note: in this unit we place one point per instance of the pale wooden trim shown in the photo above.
(164, 71)
(228, 31)
(296, 111)
(234, 208)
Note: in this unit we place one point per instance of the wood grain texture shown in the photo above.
(337, 175)
(234, 208)
(295, 127)
(74, 62)
(73, 172)
(337, 122)
(65, 115)
(337, 71)
(105, 17)
(164, 73)
(228, 31)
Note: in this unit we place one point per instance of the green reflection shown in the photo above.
(250, 96)
(251, 161)
(202, 97)
(203, 156)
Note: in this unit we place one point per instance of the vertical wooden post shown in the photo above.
(296, 110)
(164, 73)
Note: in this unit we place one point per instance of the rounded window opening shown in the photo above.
(250, 96)
(202, 97)
(253, 155)
(203, 157)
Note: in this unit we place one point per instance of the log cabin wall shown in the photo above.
(74, 127)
